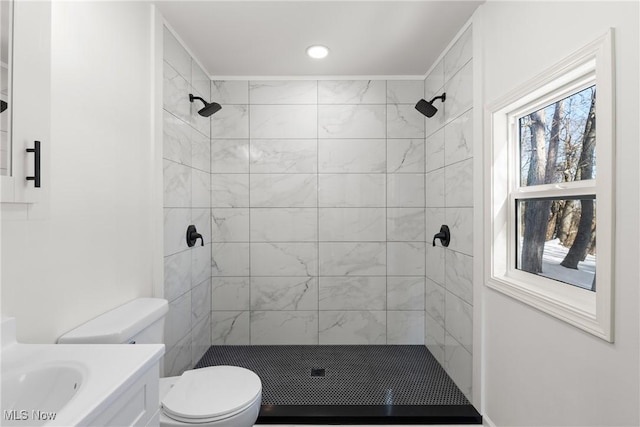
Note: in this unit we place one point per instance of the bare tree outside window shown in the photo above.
(557, 236)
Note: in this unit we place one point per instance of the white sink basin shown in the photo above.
(39, 393)
(67, 384)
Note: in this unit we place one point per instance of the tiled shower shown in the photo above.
(318, 200)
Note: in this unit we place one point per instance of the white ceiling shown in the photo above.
(268, 38)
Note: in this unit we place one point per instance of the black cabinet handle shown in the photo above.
(36, 164)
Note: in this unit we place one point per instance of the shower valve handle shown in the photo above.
(444, 235)
(193, 236)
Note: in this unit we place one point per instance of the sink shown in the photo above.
(39, 393)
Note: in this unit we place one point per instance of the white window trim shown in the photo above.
(587, 310)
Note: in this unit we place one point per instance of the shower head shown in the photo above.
(427, 108)
(208, 109)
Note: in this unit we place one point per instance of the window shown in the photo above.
(551, 169)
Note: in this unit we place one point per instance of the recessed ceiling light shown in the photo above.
(317, 51)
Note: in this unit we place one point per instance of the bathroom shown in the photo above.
(131, 165)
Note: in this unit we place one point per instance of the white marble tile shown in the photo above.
(434, 338)
(405, 327)
(200, 81)
(284, 224)
(284, 259)
(353, 259)
(283, 92)
(200, 339)
(435, 189)
(435, 147)
(230, 259)
(230, 156)
(434, 81)
(405, 190)
(459, 92)
(284, 327)
(175, 54)
(283, 190)
(201, 152)
(284, 121)
(176, 139)
(352, 190)
(176, 221)
(351, 121)
(177, 275)
(405, 155)
(200, 189)
(232, 121)
(459, 275)
(459, 54)
(230, 328)
(405, 224)
(284, 155)
(177, 359)
(458, 320)
(459, 365)
(201, 218)
(460, 221)
(352, 224)
(405, 259)
(198, 122)
(284, 293)
(352, 293)
(230, 225)
(404, 121)
(435, 255)
(352, 155)
(434, 301)
(230, 293)
(177, 184)
(229, 190)
(459, 139)
(404, 91)
(405, 293)
(200, 264)
(226, 92)
(458, 184)
(351, 91)
(178, 321)
(353, 327)
(201, 302)
(437, 121)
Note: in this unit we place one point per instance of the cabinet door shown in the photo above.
(30, 101)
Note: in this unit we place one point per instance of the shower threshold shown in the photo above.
(349, 384)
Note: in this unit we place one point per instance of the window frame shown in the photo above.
(588, 310)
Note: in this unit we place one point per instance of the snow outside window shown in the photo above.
(551, 170)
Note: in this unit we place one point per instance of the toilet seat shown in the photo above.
(211, 394)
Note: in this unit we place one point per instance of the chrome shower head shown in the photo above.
(427, 108)
(208, 109)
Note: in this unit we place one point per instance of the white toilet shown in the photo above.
(217, 396)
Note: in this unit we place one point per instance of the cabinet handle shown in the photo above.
(36, 164)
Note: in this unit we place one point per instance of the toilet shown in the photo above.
(220, 396)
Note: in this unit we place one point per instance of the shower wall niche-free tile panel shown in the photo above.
(187, 200)
(318, 212)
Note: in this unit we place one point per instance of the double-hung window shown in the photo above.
(550, 201)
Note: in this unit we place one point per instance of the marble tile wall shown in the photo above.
(449, 200)
(187, 193)
(318, 212)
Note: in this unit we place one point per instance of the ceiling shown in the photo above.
(268, 38)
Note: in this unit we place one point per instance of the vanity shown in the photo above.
(78, 384)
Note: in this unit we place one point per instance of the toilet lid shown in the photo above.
(212, 392)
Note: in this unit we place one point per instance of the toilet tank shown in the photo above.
(140, 321)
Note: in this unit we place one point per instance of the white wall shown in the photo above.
(539, 370)
(89, 249)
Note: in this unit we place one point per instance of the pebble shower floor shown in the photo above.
(335, 377)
